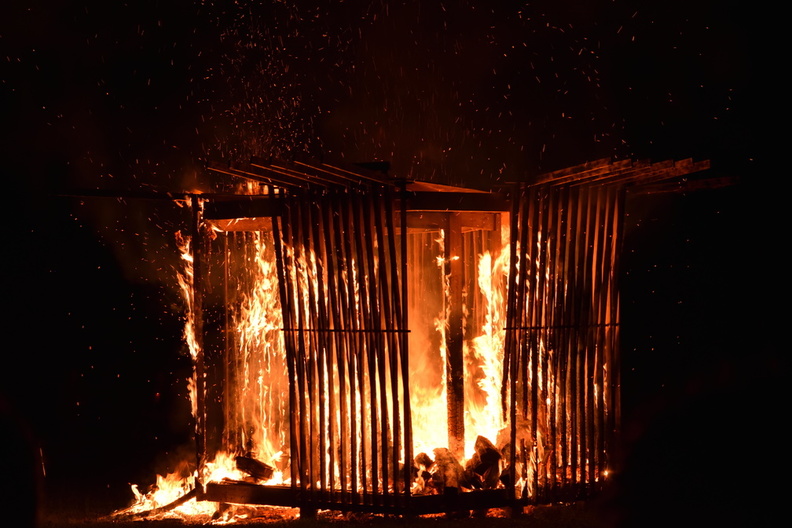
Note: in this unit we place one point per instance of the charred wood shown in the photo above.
(422, 459)
(486, 451)
(449, 473)
(192, 494)
(483, 468)
(255, 468)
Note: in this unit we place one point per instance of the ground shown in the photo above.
(577, 515)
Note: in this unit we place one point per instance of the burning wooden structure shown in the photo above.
(329, 304)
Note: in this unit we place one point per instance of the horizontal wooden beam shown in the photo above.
(426, 211)
(243, 207)
(417, 221)
(244, 493)
(436, 220)
(457, 201)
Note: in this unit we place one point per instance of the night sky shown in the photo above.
(137, 96)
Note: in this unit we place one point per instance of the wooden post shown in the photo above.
(197, 308)
(455, 376)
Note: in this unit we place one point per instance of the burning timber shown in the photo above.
(344, 320)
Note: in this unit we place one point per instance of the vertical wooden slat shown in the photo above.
(614, 358)
(389, 291)
(397, 345)
(376, 358)
(577, 341)
(354, 350)
(556, 339)
(552, 331)
(368, 303)
(285, 291)
(532, 350)
(585, 336)
(313, 382)
(509, 405)
(230, 429)
(594, 349)
(320, 324)
(604, 327)
(563, 341)
(523, 321)
(335, 313)
(304, 365)
(543, 345)
(364, 360)
(566, 339)
(404, 340)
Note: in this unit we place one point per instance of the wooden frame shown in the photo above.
(340, 243)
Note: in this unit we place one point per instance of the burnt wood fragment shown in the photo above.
(449, 471)
(483, 467)
(190, 495)
(255, 468)
(422, 459)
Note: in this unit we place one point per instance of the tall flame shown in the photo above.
(483, 415)
(184, 277)
(256, 401)
(428, 342)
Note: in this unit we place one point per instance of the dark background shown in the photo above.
(127, 97)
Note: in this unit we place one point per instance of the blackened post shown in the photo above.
(197, 309)
(455, 376)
